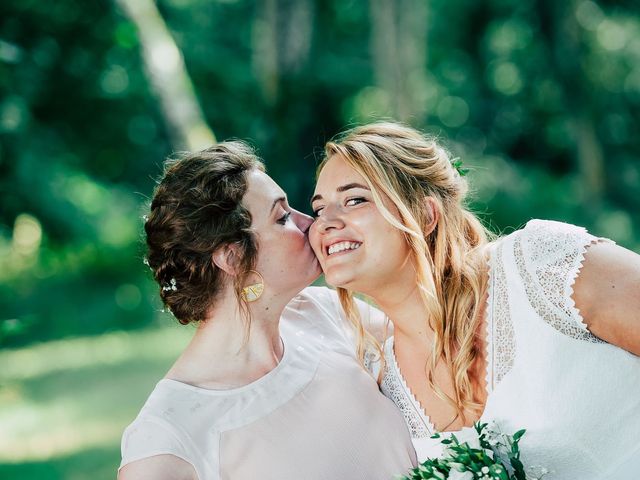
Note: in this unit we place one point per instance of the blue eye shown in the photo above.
(355, 201)
(282, 220)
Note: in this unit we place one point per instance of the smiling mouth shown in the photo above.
(342, 247)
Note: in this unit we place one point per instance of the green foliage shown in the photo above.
(65, 403)
(496, 456)
(539, 100)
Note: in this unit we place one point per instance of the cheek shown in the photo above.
(314, 238)
(387, 244)
(394, 249)
(292, 243)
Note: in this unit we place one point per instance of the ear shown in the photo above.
(227, 258)
(433, 214)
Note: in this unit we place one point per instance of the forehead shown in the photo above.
(337, 172)
(261, 193)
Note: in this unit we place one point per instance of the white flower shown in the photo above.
(456, 475)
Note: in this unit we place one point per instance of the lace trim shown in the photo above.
(502, 336)
(571, 281)
(548, 257)
(394, 387)
(489, 321)
(500, 345)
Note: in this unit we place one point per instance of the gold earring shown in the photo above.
(252, 292)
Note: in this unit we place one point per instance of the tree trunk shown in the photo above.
(399, 51)
(168, 76)
(564, 45)
(282, 32)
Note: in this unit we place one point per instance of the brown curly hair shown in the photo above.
(197, 208)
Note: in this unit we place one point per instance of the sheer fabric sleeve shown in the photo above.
(149, 437)
(549, 256)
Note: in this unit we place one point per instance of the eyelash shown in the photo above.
(359, 200)
(282, 220)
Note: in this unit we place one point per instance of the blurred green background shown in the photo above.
(540, 98)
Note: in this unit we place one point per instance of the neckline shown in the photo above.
(488, 337)
(266, 378)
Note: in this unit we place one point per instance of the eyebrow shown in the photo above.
(342, 188)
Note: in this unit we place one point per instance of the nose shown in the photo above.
(329, 220)
(302, 221)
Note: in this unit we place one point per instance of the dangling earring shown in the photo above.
(252, 292)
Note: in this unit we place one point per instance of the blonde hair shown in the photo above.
(405, 166)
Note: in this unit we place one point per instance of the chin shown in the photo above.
(340, 280)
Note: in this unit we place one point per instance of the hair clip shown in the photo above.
(456, 163)
(171, 286)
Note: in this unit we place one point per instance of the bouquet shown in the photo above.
(492, 455)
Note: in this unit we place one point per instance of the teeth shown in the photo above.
(339, 247)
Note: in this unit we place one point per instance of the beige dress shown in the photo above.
(317, 415)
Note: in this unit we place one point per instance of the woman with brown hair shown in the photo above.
(270, 386)
(538, 329)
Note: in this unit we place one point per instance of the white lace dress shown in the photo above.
(577, 396)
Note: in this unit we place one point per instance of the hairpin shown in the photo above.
(171, 286)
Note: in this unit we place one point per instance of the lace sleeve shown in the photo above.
(549, 256)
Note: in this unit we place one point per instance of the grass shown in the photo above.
(64, 404)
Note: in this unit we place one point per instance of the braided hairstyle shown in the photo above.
(197, 208)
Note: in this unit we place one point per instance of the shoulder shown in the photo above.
(584, 285)
(323, 296)
(327, 302)
(315, 309)
(547, 238)
(174, 421)
(149, 438)
(607, 294)
(545, 227)
(315, 303)
(548, 251)
(545, 260)
(158, 467)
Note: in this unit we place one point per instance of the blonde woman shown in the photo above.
(539, 329)
(270, 386)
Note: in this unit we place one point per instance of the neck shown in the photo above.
(409, 316)
(221, 355)
(400, 300)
